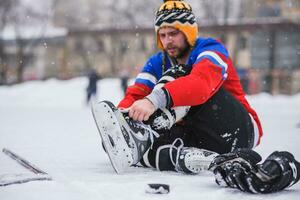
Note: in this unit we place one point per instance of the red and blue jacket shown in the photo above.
(212, 68)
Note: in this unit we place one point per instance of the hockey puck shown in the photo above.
(157, 188)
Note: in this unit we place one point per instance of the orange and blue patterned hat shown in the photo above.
(177, 14)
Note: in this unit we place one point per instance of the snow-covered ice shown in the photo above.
(49, 124)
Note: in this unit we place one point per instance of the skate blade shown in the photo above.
(110, 131)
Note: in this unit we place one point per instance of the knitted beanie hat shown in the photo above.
(177, 14)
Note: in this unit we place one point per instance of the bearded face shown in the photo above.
(174, 42)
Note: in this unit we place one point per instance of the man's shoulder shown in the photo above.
(202, 42)
(154, 64)
(155, 59)
(210, 44)
(157, 56)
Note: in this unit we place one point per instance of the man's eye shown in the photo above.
(174, 33)
(162, 35)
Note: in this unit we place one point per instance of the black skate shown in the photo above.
(124, 140)
(189, 160)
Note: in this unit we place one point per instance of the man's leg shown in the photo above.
(220, 125)
(88, 97)
(169, 153)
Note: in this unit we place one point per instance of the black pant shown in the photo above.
(221, 125)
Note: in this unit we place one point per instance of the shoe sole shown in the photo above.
(107, 118)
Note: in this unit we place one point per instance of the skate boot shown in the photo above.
(124, 140)
(139, 137)
(189, 160)
(163, 119)
(192, 160)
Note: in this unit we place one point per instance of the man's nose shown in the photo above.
(169, 39)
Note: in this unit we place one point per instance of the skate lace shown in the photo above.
(151, 132)
(178, 148)
(138, 125)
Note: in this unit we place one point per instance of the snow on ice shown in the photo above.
(49, 124)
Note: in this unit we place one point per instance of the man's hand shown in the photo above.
(141, 110)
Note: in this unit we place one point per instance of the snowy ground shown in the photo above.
(49, 124)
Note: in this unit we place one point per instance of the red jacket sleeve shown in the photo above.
(133, 93)
(197, 87)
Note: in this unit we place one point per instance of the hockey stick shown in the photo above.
(21, 178)
(41, 175)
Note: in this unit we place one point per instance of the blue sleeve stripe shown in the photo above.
(214, 58)
(147, 76)
(145, 82)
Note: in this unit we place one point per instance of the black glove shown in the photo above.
(230, 167)
(239, 169)
(177, 71)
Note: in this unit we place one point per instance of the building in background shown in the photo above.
(38, 55)
(109, 50)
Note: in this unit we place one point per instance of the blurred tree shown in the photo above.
(18, 17)
(5, 7)
(99, 14)
(104, 14)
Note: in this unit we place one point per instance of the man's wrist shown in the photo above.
(158, 98)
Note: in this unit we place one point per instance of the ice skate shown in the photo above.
(124, 140)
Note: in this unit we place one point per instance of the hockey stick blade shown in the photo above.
(6, 180)
(23, 162)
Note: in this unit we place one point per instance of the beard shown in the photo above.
(178, 52)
